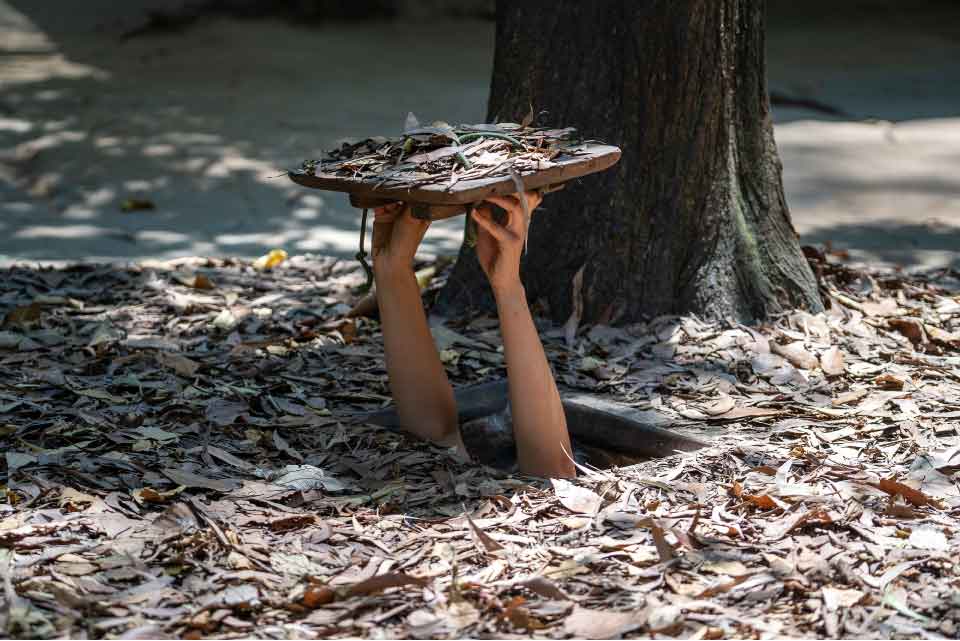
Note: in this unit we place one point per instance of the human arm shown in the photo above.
(418, 382)
(539, 422)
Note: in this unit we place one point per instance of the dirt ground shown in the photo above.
(201, 121)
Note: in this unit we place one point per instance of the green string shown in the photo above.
(362, 254)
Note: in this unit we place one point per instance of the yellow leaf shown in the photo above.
(270, 260)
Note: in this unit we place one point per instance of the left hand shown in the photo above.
(499, 247)
(396, 237)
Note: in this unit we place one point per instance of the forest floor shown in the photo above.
(180, 461)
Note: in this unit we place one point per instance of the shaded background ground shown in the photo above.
(202, 120)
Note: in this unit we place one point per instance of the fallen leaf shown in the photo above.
(894, 488)
(836, 598)
(189, 479)
(222, 412)
(316, 595)
(383, 582)
(831, 362)
(796, 354)
(305, 477)
(281, 444)
(271, 259)
(150, 495)
(137, 204)
(488, 543)
(928, 538)
(545, 588)
(180, 364)
(889, 381)
(885, 307)
(24, 316)
(909, 327)
(849, 397)
(585, 623)
(575, 498)
(291, 522)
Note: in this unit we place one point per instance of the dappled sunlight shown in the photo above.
(888, 191)
(89, 121)
(30, 56)
(199, 146)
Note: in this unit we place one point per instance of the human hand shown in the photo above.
(396, 236)
(499, 247)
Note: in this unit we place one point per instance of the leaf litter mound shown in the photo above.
(442, 154)
(182, 458)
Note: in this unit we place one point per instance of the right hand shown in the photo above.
(499, 247)
(396, 236)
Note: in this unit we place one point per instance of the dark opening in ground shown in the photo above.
(604, 433)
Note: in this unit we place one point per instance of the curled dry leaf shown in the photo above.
(795, 353)
(909, 327)
(383, 582)
(832, 362)
(895, 488)
(576, 498)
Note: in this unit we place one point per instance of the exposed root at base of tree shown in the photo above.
(177, 463)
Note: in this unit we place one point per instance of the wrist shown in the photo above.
(392, 270)
(509, 292)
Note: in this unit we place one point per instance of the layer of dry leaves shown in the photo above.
(178, 462)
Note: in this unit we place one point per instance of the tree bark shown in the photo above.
(693, 218)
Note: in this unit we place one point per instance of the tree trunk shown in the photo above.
(693, 217)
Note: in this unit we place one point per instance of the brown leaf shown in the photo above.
(150, 495)
(937, 335)
(180, 364)
(831, 362)
(384, 581)
(795, 354)
(779, 530)
(762, 501)
(519, 616)
(664, 549)
(545, 588)
(23, 316)
(909, 327)
(176, 518)
(292, 522)
(573, 322)
(890, 382)
(488, 543)
(894, 488)
(316, 595)
(849, 397)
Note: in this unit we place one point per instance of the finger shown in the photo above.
(390, 210)
(508, 203)
(534, 198)
(407, 219)
(381, 216)
(484, 218)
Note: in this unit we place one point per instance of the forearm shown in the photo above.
(418, 382)
(539, 422)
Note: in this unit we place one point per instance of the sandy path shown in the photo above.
(201, 123)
